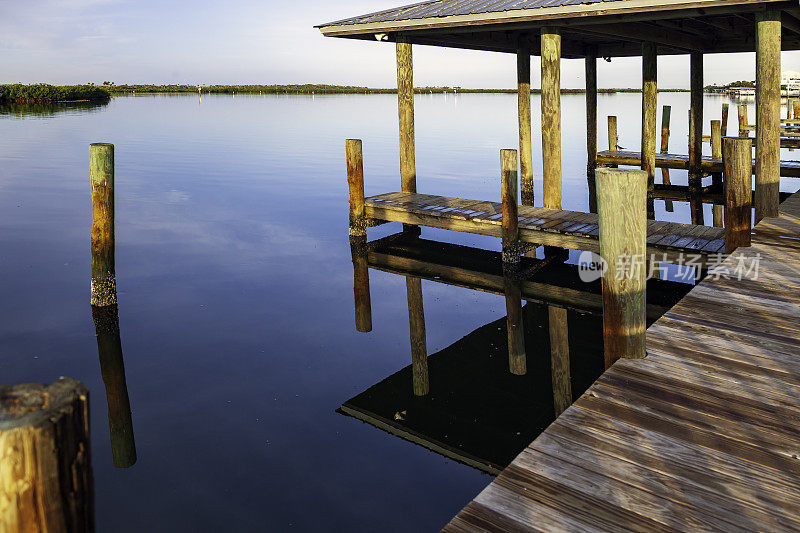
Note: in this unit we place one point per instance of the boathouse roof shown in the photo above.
(615, 27)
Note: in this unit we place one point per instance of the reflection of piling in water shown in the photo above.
(361, 296)
(666, 113)
(45, 459)
(112, 367)
(101, 179)
(559, 359)
(621, 204)
(416, 326)
(511, 261)
(517, 360)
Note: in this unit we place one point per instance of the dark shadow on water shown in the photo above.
(47, 109)
(472, 408)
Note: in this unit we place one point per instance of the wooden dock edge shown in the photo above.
(695, 436)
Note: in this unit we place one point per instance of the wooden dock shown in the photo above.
(549, 227)
(788, 169)
(701, 435)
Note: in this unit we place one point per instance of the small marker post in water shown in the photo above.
(622, 213)
(101, 180)
(716, 178)
(736, 156)
(358, 236)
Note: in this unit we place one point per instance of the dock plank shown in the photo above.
(701, 435)
(571, 229)
(789, 169)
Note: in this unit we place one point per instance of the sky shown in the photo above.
(266, 42)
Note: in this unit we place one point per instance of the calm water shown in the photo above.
(236, 297)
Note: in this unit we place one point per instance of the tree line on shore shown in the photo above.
(42, 92)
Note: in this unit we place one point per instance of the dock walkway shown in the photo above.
(701, 435)
(789, 169)
(567, 229)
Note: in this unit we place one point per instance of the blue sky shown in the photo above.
(264, 41)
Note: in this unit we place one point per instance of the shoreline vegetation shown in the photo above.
(41, 92)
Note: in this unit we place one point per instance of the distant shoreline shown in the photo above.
(45, 93)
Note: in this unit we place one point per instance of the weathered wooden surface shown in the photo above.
(649, 96)
(701, 435)
(405, 112)
(550, 227)
(788, 169)
(591, 126)
(551, 117)
(524, 112)
(768, 112)
(101, 181)
(45, 460)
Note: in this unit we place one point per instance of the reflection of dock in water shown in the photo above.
(477, 412)
(481, 400)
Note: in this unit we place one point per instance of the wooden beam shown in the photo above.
(643, 32)
(551, 117)
(696, 135)
(524, 113)
(768, 113)
(649, 99)
(591, 125)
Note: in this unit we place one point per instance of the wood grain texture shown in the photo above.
(738, 181)
(591, 126)
(551, 117)
(405, 111)
(621, 206)
(768, 113)
(649, 109)
(696, 135)
(45, 461)
(789, 168)
(355, 185)
(524, 115)
(101, 180)
(703, 434)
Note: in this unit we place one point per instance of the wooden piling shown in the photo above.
(768, 107)
(716, 178)
(112, 368)
(591, 125)
(361, 292)
(724, 122)
(405, 109)
(551, 116)
(737, 158)
(508, 183)
(613, 138)
(419, 349)
(649, 99)
(45, 460)
(742, 116)
(524, 109)
(665, 179)
(355, 183)
(101, 181)
(621, 204)
(696, 136)
(796, 109)
(559, 359)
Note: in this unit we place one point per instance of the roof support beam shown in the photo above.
(649, 33)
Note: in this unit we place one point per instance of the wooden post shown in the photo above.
(649, 98)
(419, 349)
(101, 181)
(551, 117)
(508, 181)
(716, 178)
(524, 109)
(665, 117)
(696, 137)
(768, 108)
(742, 116)
(355, 183)
(361, 293)
(591, 125)
(796, 109)
(112, 367)
(737, 157)
(724, 120)
(405, 108)
(45, 466)
(559, 359)
(517, 359)
(613, 138)
(621, 205)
